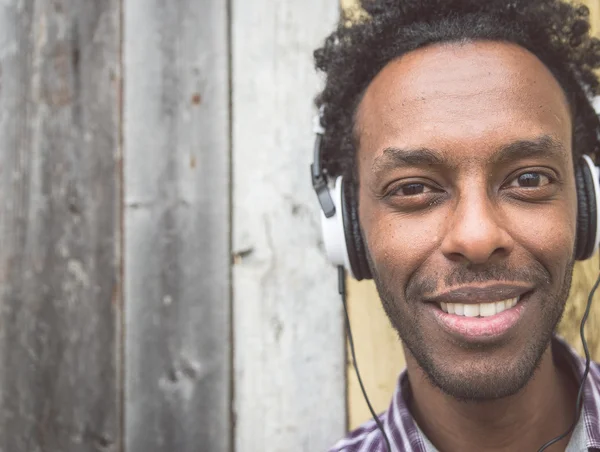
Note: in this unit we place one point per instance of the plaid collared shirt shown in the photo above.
(405, 436)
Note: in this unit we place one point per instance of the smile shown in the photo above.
(479, 309)
(476, 313)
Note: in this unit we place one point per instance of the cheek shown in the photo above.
(547, 234)
(399, 244)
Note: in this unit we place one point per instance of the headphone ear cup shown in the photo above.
(587, 209)
(332, 228)
(357, 255)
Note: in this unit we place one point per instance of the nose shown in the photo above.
(475, 233)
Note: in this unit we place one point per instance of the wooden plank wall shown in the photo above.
(115, 229)
(378, 349)
(59, 264)
(289, 348)
(177, 215)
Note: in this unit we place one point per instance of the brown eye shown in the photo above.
(414, 193)
(412, 189)
(531, 180)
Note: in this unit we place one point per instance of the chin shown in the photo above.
(482, 376)
(480, 387)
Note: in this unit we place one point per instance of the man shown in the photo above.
(459, 124)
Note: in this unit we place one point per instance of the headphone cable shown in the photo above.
(342, 291)
(585, 373)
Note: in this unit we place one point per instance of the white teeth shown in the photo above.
(471, 310)
(487, 309)
(481, 309)
(500, 306)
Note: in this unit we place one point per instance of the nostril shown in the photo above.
(477, 248)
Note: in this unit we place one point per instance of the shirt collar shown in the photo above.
(591, 392)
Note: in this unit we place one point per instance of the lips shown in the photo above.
(479, 312)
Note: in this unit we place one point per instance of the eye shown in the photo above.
(414, 194)
(530, 179)
(412, 189)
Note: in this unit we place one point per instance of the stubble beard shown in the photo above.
(475, 384)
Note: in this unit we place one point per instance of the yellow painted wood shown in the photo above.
(378, 350)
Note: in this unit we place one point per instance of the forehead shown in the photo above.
(467, 99)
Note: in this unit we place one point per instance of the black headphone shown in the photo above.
(343, 239)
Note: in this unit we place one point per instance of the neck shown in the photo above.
(542, 410)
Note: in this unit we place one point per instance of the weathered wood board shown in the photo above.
(59, 265)
(177, 203)
(288, 324)
(379, 353)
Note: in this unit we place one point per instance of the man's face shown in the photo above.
(467, 196)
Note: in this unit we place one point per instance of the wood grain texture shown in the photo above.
(59, 265)
(378, 345)
(289, 347)
(177, 202)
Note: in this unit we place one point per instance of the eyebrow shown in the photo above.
(542, 146)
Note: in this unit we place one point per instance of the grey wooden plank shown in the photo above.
(177, 265)
(289, 340)
(59, 270)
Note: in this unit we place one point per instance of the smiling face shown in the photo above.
(468, 205)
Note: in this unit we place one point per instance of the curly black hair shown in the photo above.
(556, 32)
